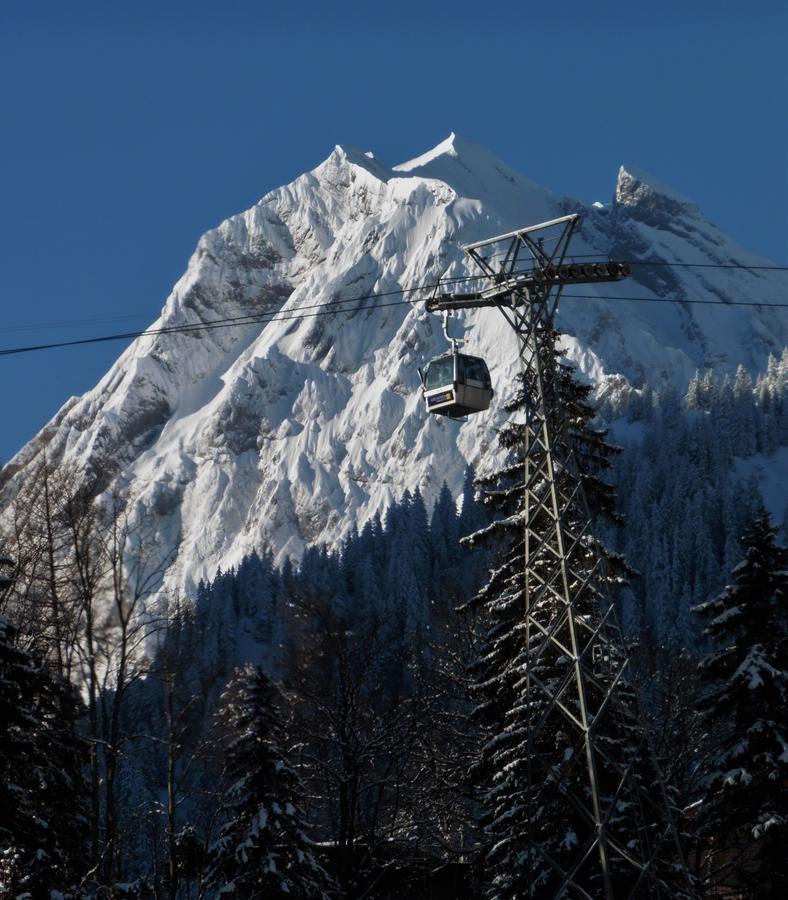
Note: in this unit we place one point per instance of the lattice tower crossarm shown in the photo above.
(576, 692)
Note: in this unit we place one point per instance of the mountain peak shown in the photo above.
(473, 171)
(454, 147)
(346, 154)
(636, 187)
(444, 148)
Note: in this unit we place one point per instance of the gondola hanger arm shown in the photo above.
(455, 342)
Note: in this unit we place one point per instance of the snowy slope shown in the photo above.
(294, 431)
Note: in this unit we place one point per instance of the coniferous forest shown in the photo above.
(347, 725)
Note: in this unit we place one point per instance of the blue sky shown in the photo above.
(128, 130)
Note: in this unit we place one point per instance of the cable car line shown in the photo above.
(689, 265)
(276, 317)
(329, 308)
(253, 317)
(399, 291)
(249, 319)
(70, 323)
(680, 300)
(186, 329)
(673, 265)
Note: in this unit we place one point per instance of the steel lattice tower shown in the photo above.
(577, 681)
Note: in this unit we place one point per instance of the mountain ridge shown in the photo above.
(288, 433)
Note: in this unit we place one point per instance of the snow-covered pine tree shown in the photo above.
(446, 554)
(546, 840)
(744, 708)
(263, 849)
(43, 822)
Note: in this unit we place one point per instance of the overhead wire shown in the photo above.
(209, 326)
(332, 307)
(74, 322)
(689, 265)
(648, 262)
(43, 326)
(71, 323)
(321, 309)
(397, 291)
(754, 304)
(674, 264)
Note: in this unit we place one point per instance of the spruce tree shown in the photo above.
(43, 826)
(534, 768)
(744, 709)
(263, 849)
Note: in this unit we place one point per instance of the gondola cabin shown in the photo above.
(456, 385)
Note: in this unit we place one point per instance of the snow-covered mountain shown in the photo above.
(294, 431)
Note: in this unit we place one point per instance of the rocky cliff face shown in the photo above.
(293, 431)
